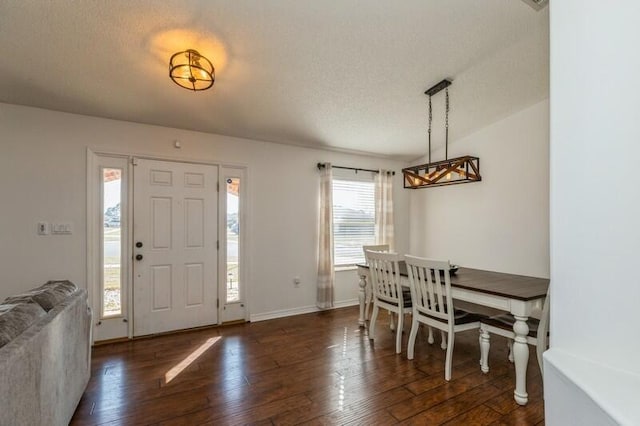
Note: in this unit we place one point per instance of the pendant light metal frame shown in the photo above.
(450, 171)
(194, 61)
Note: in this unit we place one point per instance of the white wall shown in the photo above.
(595, 196)
(502, 222)
(43, 174)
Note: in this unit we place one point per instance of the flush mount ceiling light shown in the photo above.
(449, 171)
(191, 70)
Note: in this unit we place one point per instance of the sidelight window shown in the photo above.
(111, 242)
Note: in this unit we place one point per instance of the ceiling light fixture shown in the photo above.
(191, 70)
(448, 171)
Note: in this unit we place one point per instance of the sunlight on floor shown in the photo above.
(178, 368)
(341, 386)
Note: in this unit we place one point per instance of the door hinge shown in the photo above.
(218, 245)
(217, 303)
(218, 186)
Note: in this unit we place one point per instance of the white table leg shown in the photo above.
(521, 359)
(485, 344)
(361, 299)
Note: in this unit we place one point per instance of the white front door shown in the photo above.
(175, 279)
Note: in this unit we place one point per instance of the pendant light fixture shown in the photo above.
(191, 70)
(449, 171)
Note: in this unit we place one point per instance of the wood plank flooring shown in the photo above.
(314, 369)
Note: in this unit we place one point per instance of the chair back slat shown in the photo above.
(385, 276)
(430, 295)
(442, 304)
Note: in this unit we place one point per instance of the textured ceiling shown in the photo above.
(340, 74)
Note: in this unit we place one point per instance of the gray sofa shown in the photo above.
(45, 354)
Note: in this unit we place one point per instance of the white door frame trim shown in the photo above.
(92, 236)
(179, 159)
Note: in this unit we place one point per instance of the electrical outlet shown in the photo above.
(296, 281)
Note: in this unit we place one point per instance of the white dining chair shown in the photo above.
(503, 325)
(430, 284)
(387, 291)
(368, 295)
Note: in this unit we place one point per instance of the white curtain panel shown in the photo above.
(326, 273)
(384, 208)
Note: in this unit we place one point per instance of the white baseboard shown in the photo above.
(345, 303)
(299, 311)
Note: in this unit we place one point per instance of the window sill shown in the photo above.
(345, 268)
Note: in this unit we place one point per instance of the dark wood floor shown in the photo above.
(309, 369)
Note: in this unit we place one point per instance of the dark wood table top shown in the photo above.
(498, 283)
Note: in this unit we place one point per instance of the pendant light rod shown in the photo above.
(438, 87)
(446, 135)
(430, 120)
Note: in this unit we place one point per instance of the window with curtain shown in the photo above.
(353, 218)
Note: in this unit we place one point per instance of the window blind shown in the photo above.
(353, 220)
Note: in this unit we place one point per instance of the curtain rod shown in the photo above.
(322, 166)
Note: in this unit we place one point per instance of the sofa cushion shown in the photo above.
(47, 295)
(15, 318)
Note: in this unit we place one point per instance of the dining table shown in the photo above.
(517, 294)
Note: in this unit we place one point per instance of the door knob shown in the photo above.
(139, 244)
(139, 257)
